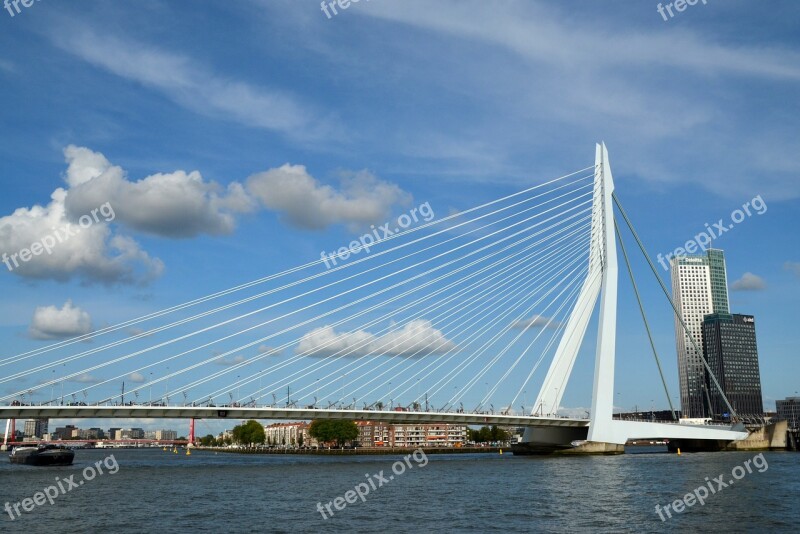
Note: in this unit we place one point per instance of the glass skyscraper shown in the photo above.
(699, 288)
(729, 345)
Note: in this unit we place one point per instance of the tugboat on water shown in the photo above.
(41, 455)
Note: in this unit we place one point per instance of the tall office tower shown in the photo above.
(729, 345)
(699, 288)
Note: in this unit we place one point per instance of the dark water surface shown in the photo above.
(155, 491)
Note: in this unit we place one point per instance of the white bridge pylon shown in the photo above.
(601, 281)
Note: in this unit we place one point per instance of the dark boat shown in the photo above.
(41, 455)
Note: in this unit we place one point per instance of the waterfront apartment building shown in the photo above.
(699, 288)
(289, 434)
(430, 435)
(166, 435)
(378, 434)
(789, 410)
(161, 435)
(127, 433)
(375, 434)
(729, 346)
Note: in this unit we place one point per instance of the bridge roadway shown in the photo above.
(623, 430)
(299, 414)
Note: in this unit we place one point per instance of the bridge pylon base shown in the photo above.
(548, 440)
(595, 447)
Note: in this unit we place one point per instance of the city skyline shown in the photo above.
(673, 189)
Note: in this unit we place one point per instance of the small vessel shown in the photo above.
(41, 455)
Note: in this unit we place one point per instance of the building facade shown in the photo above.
(729, 346)
(65, 432)
(289, 435)
(167, 435)
(699, 288)
(127, 433)
(35, 428)
(789, 410)
(91, 433)
(161, 435)
(378, 434)
(375, 434)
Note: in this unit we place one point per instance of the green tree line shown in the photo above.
(488, 434)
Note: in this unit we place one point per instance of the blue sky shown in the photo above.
(268, 132)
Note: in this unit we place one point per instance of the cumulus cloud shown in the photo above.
(306, 203)
(92, 253)
(749, 282)
(230, 361)
(50, 322)
(136, 377)
(85, 378)
(536, 321)
(177, 204)
(59, 245)
(792, 266)
(266, 349)
(417, 337)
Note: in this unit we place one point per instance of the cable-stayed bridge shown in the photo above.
(453, 318)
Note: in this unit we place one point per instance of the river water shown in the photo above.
(151, 490)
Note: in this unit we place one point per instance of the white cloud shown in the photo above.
(306, 203)
(749, 282)
(92, 253)
(417, 336)
(792, 266)
(177, 204)
(511, 29)
(568, 71)
(50, 322)
(137, 378)
(173, 205)
(85, 378)
(536, 321)
(230, 361)
(135, 331)
(191, 85)
(266, 349)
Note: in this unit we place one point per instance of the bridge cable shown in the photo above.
(644, 318)
(246, 285)
(371, 282)
(284, 364)
(475, 334)
(23, 356)
(461, 309)
(674, 307)
(343, 307)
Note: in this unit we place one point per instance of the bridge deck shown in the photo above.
(236, 413)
